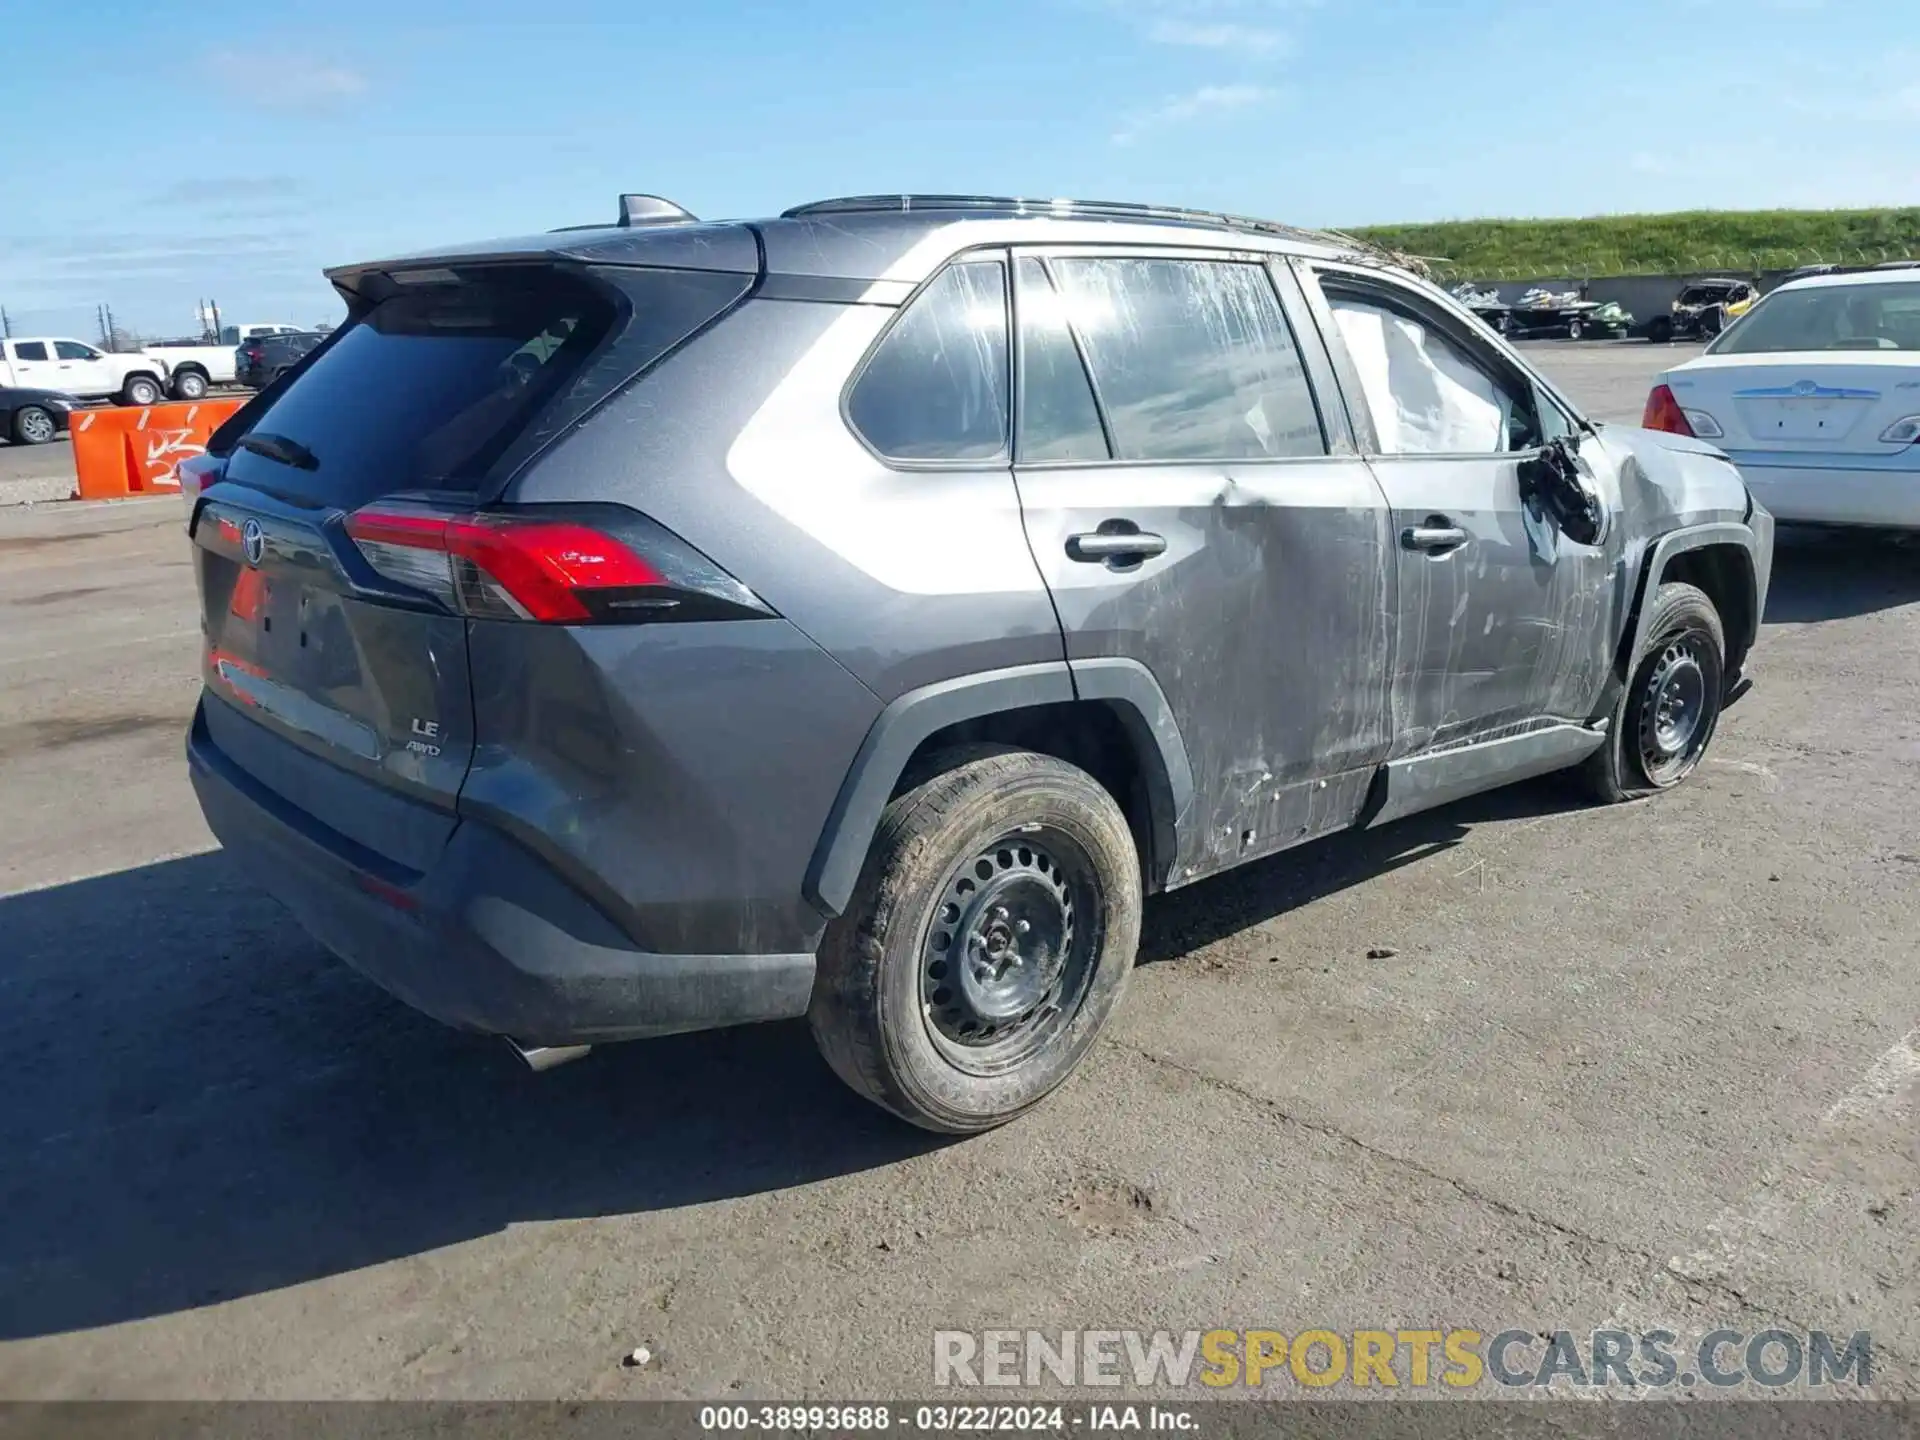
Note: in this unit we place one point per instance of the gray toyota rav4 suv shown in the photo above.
(854, 614)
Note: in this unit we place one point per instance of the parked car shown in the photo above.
(1807, 271)
(33, 417)
(664, 643)
(75, 368)
(262, 360)
(1703, 308)
(193, 367)
(1816, 396)
(236, 335)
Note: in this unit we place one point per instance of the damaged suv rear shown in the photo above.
(855, 613)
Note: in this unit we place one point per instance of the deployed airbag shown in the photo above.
(1425, 397)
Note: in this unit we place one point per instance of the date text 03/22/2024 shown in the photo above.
(944, 1419)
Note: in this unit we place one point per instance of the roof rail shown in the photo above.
(1096, 209)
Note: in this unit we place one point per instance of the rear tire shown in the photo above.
(33, 425)
(190, 385)
(987, 942)
(142, 390)
(1660, 330)
(1670, 708)
(1576, 328)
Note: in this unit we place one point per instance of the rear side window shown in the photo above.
(429, 388)
(30, 350)
(935, 388)
(1193, 359)
(1059, 420)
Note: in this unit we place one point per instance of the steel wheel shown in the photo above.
(1009, 950)
(1679, 703)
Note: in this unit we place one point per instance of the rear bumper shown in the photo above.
(490, 939)
(1864, 490)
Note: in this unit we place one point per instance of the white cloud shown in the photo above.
(1207, 100)
(1219, 35)
(1253, 28)
(288, 81)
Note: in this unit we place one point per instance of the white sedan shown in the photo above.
(1815, 394)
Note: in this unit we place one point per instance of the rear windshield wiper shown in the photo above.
(279, 447)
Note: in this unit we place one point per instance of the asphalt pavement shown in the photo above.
(1522, 1062)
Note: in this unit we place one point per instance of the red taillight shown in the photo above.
(1663, 412)
(550, 569)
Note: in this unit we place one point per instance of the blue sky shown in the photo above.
(158, 154)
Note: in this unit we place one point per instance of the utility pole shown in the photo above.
(112, 334)
(6, 323)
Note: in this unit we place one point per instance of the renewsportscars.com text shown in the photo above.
(1456, 1359)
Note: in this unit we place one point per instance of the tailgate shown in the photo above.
(351, 531)
(330, 659)
(330, 667)
(1823, 367)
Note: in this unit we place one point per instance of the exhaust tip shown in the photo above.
(547, 1057)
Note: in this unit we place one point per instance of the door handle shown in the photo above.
(1435, 535)
(1114, 545)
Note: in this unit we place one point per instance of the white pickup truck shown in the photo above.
(193, 366)
(57, 363)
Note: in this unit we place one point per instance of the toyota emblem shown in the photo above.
(253, 541)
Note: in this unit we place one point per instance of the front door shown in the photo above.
(82, 369)
(1503, 621)
(1197, 512)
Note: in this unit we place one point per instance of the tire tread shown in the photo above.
(845, 1014)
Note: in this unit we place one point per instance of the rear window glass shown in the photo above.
(430, 387)
(936, 386)
(1192, 360)
(1058, 418)
(1828, 317)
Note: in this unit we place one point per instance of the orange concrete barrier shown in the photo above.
(137, 450)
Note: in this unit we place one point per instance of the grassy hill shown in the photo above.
(1656, 244)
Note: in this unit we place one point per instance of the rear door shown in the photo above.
(422, 402)
(1197, 511)
(32, 363)
(1501, 620)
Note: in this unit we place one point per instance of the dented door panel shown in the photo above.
(1267, 622)
(1508, 626)
(1502, 621)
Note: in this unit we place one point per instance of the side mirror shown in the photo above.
(1553, 482)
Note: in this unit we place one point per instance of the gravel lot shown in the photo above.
(1518, 1063)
